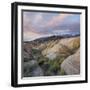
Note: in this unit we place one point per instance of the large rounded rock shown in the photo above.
(71, 65)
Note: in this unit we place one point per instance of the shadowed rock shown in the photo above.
(32, 68)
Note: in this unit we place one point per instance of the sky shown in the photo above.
(43, 24)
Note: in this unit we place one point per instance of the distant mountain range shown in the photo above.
(53, 37)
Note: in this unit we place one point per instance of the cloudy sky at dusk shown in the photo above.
(42, 24)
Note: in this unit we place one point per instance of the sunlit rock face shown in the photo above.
(71, 65)
(63, 47)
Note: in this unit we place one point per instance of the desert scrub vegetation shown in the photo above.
(49, 67)
(52, 67)
(38, 56)
(62, 72)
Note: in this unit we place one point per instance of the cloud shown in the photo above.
(29, 35)
(29, 21)
(38, 24)
(57, 20)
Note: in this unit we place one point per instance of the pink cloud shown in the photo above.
(57, 20)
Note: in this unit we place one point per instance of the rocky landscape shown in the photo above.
(51, 56)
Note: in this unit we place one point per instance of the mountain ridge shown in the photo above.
(55, 37)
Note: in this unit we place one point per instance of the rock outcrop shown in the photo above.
(51, 56)
(71, 65)
(31, 68)
(63, 47)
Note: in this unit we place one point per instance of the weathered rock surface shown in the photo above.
(71, 65)
(63, 47)
(51, 56)
(31, 68)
